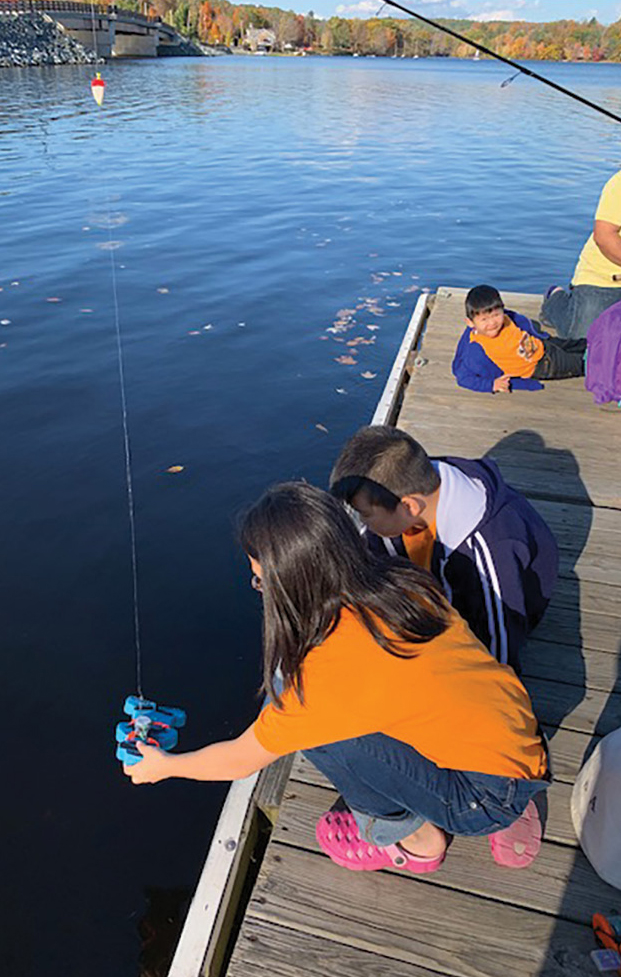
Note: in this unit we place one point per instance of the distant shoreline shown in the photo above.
(409, 57)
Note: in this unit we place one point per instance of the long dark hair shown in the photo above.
(313, 563)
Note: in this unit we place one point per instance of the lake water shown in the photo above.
(248, 201)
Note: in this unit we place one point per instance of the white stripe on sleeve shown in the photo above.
(504, 643)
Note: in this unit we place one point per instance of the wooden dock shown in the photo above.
(305, 915)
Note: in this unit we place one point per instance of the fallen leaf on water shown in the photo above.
(54, 299)
(368, 375)
(340, 390)
(163, 291)
(346, 360)
(174, 469)
(320, 427)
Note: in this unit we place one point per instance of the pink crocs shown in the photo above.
(339, 837)
(518, 845)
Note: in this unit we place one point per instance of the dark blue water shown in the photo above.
(248, 202)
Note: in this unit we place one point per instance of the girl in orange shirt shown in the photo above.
(383, 686)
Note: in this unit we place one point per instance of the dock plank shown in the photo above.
(583, 614)
(269, 950)
(401, 919)
(593, 669)
(584, 710)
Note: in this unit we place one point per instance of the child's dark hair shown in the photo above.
(313, 563)
(483, 298)
(385, 464)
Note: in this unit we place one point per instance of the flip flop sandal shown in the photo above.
(339, 837)
(518, 845)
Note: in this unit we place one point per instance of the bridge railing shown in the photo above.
(72, 6)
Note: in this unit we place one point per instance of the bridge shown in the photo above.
(111, 31)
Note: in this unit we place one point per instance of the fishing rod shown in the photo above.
(499, 57)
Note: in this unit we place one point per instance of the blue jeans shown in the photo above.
(571, 313)
(391, 790)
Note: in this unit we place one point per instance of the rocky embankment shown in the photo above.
(36, 39)
(184, 49)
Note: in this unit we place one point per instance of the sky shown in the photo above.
(606, 11)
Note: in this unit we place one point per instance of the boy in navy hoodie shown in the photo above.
(492, 553)
(502, 350)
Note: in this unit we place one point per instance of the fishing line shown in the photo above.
(499, 57)
(94, 32)
(148, 724)
(127, 450)
(97, 88)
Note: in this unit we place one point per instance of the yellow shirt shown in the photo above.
(593, 267)
(514, 350)
(451, 701)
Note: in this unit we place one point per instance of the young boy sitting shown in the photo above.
(502, 350)
(490, 550)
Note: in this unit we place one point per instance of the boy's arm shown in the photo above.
(487, 590)
(228, 760)
(523, 322)
(518, 589)
(465, 373)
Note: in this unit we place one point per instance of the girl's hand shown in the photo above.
(154, 766)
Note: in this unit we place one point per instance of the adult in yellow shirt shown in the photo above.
(596, 284)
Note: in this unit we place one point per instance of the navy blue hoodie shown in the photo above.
(494, 556)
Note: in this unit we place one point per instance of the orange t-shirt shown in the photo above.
(514, 350)
(419, 545)
(451, 701)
